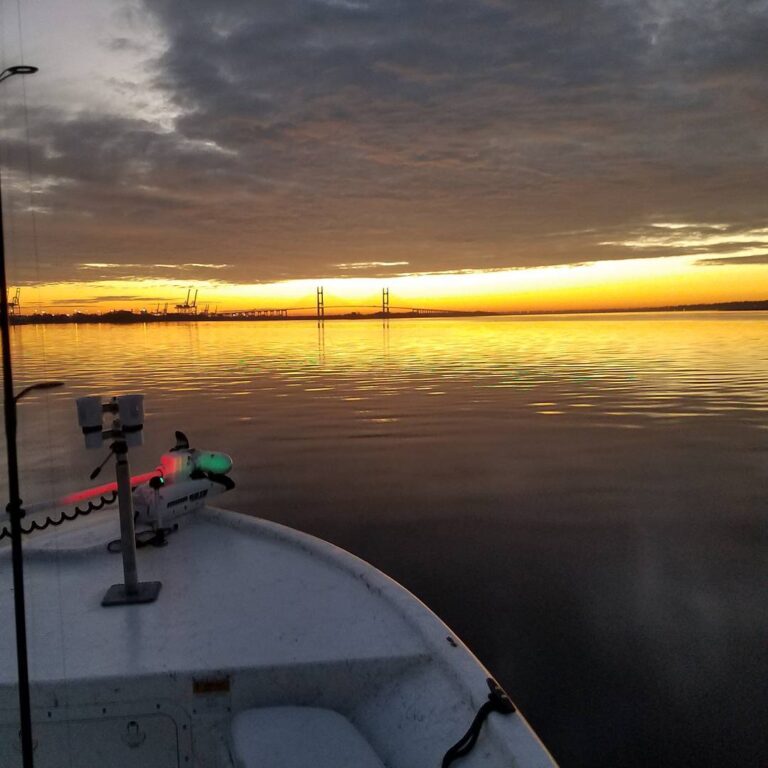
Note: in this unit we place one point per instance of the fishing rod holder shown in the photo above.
(127, 424)
(125, 431)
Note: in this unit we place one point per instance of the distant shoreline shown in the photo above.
(128, 317)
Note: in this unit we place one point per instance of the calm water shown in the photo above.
(582, 499)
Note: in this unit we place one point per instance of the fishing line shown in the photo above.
(50, 479)
(51, 474)
(5, 191)
(3, 47)
(36, 255)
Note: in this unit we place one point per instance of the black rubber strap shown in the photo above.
(498, 701)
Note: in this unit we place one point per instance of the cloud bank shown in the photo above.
(453, 135)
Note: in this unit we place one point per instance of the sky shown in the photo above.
(471, 154)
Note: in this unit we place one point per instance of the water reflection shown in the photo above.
(581, 498)
(634, 368)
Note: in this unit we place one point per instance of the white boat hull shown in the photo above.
(252, 617)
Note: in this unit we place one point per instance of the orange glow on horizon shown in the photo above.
(619, 284)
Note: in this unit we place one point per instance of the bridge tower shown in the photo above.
(385, 303)
(320, 305)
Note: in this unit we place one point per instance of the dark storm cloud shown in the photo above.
(451, 135)
(761, 258)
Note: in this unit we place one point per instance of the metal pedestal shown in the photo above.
(145, 592)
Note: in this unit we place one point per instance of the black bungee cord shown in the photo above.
(498, 701)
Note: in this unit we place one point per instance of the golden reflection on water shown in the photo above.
(438, 379)
(635, 366)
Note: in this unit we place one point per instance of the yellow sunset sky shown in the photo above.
(616, 284)
(462, 165)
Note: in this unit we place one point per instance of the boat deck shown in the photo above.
(213, 575)
(250, 615)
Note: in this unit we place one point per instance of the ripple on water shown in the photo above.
(705, 368)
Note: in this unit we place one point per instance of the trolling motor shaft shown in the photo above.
(131, 590)
(127, 529)
(125, 430)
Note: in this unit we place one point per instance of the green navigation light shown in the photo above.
(215, 463)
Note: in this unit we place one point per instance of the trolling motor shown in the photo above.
(127, 413)
(184, 482)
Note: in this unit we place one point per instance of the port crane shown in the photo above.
(187, 306)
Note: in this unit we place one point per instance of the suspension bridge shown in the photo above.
(319, 307)
(314, 305)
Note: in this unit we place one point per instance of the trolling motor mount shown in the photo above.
(126, 430)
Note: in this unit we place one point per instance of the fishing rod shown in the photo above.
(14, 507)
